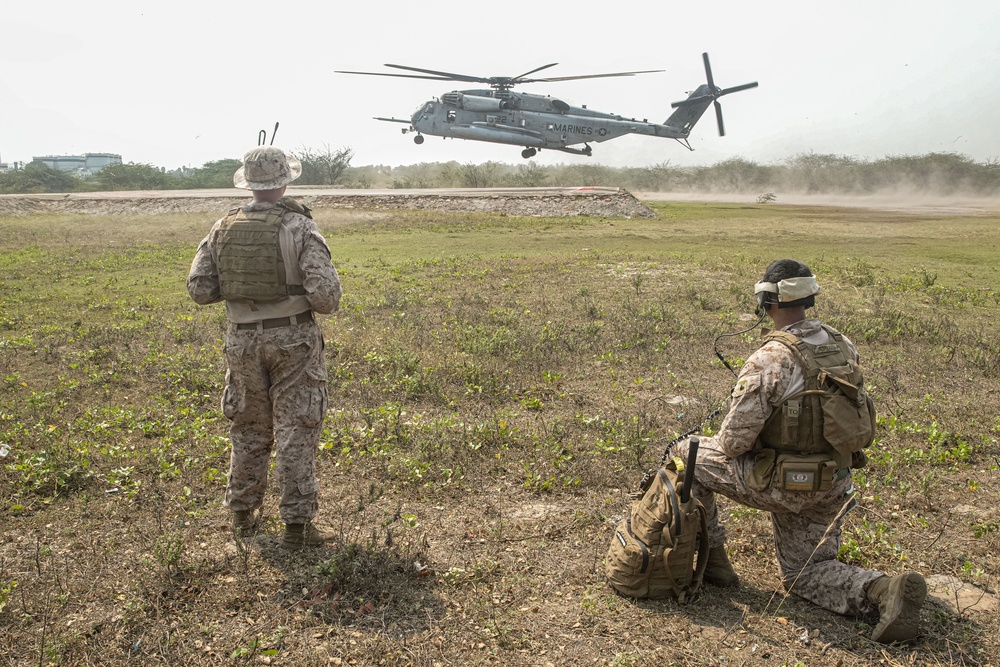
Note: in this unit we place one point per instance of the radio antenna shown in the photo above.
(262, 136)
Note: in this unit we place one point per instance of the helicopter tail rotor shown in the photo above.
(700, 99)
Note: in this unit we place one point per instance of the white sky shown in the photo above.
(175, 83)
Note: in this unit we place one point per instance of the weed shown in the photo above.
(169, 550)
(870, 542)
(5, 590)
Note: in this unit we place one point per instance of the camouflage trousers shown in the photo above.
(276, 397)
(807, 529)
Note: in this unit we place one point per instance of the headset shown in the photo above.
(787, 293)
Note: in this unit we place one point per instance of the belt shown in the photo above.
(276, 322)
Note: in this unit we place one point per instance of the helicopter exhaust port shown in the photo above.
(528, 153)
(419, 139)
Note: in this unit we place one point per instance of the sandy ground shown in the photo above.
(341, 192)
(903, 202)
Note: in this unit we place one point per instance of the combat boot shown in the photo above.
(298, 535)
(720, 571)
(244, 523)
(899, 600)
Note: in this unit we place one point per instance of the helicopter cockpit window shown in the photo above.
(429, 107)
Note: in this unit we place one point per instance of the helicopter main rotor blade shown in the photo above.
(447, 75)
(537, 69)
(589, 76)
(718, 117)
(401, 76)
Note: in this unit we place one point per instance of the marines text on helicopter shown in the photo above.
(502, 116)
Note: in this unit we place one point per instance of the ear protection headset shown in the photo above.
(786, 293)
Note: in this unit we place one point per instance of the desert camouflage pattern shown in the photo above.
(807, 525)
(266, 168)
(275, 393)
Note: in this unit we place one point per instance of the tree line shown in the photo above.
(319, 167)
(932, 173)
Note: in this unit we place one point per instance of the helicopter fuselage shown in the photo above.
(497, 114)
(525, 119)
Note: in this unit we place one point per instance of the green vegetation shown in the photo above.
(929, 175)
(319, 167)
(933, 174)
(498, 384)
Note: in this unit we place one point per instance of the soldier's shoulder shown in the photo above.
(295, 206)
(772, 353)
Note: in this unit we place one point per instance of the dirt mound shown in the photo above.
(614, 204)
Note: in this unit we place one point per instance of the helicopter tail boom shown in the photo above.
(685, 117)
(689, 111)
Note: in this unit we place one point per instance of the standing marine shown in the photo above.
(271, 265)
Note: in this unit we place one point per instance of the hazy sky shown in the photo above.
(175, 83)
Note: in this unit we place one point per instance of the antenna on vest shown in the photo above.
(262, 136)
(689, 469)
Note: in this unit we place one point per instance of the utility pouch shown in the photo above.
(806, 472)
(759, 477)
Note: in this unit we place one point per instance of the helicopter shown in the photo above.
(538, 122)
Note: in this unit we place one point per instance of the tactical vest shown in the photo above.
(248, 253)
(833, 415)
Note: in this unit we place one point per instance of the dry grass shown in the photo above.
(500, 384)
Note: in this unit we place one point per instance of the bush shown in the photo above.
(133, 176)
(323, 167)
(37, 178)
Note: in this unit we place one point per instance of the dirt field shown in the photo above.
(556, 202)
(499, 384)
(535, 202)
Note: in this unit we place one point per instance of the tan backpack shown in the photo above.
(661, 549)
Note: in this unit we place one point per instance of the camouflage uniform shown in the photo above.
(276, 378)
(807, 562)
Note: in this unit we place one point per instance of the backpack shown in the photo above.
(661, 548)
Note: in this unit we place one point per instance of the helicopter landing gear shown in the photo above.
(528, 153)
(586, 150)
(419, 139)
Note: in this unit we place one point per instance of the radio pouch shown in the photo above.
(660, 549)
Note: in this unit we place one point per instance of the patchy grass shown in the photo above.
(498, 386)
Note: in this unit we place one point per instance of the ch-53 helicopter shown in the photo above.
(539, 122)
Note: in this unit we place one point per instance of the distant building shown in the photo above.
(5, 167)
(87, 164)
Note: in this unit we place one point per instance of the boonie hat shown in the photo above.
(266, 168)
